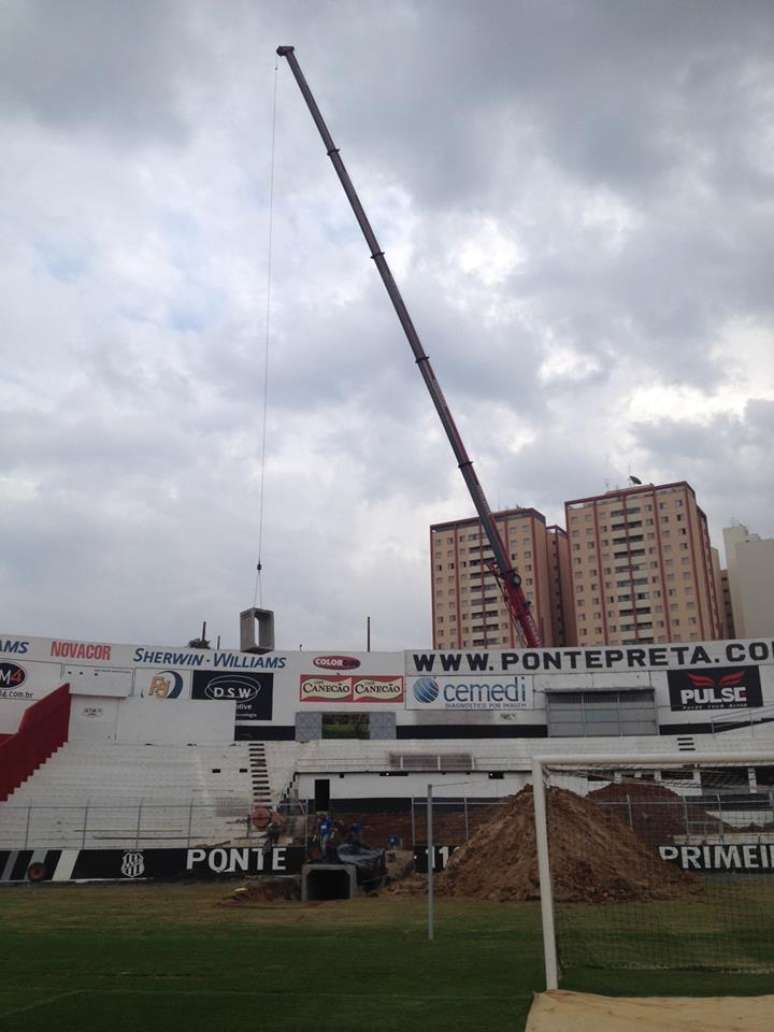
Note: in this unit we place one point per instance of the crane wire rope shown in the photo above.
(258, 593)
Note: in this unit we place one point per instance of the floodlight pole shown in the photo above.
(430, 862)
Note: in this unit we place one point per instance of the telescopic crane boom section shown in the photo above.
(509, 579)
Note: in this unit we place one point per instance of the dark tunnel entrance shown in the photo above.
(328, 881)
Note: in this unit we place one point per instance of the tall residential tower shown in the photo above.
(641, 566)
(468, 607)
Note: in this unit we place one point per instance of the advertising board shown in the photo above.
(24, 681)
(721, 688)
(252, 692)
(589, 660)
(743, 857)
(141, 864)
(471, 692)
(326, 688)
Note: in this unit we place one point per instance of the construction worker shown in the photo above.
(325, 832)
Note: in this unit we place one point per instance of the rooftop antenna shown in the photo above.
(200, 643)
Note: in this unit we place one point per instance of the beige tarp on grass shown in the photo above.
(561, 1011)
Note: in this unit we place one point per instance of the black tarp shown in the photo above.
(369, 864)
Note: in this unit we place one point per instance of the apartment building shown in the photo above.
(641, 566)
(560, 585)
(750, 562)
(722, 592)
(468, 608)
(728, 627)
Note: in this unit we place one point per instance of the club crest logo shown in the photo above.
(132, 864)
(166, 684)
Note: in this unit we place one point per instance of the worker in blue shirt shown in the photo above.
(326, 829)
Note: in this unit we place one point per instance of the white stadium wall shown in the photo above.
(142, 722)
(454, 785)
(93, 718)
(144, 693)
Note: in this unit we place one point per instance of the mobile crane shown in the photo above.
(509, 579)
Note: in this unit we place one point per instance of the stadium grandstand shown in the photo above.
(138, 747)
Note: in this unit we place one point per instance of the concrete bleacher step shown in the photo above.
(116, 796)
(259, 773)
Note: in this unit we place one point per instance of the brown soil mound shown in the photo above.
(656, 813)
(594, 858)
(263, 890)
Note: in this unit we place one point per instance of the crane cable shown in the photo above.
(258, 593)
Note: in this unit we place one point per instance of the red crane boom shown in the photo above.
(510, 581)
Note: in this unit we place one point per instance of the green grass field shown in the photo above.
(166, 957)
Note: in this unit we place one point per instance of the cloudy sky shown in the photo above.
(576, 198)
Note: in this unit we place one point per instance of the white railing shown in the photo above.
(748, 717)
(107, 826)
(420, 764)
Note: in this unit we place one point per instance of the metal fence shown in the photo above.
(105, 826)
(405, 821)
(717, 816)
(144, 825)
(151, 824)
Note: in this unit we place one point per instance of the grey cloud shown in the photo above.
(116, 67)
(727, 460)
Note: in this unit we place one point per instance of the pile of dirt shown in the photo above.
(656, 813)
(264, 890)
(594, 857)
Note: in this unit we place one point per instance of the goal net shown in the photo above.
(664, 863)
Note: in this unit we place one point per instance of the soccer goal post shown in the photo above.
(657, 862)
